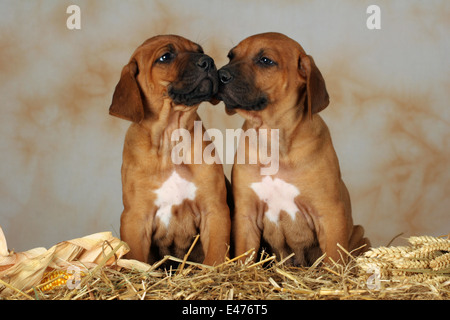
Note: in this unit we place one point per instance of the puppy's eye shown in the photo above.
(166, 57)
(266, 61)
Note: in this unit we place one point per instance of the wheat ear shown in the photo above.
(441, 262)
(387, 252)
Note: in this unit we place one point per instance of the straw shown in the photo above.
(264, 279)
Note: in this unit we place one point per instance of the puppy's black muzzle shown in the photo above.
(198, 82)
(237, 89)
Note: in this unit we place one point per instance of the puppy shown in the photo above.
(303, 207)
(167, 204)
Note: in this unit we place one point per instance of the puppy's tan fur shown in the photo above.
(294, 91)
(142, 96)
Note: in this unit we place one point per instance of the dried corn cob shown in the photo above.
(56, 278)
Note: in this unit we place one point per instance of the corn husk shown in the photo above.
(23, 270)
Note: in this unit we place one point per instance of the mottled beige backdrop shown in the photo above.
(61, 151)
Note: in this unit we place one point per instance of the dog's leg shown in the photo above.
(358, 242)
(334, 229)
(215, 230)
(246, 232)
(135, 230)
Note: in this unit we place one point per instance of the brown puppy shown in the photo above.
(167, 204)
(303, 207)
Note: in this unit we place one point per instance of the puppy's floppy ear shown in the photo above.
(127, 102)
(317, 97)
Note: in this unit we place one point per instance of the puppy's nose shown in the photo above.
(225, 76)
(205, 63)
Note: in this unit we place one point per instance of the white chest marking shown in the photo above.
(278, 195)
(173, 192)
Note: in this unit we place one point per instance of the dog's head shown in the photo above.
(166, 66)
(269, 73)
